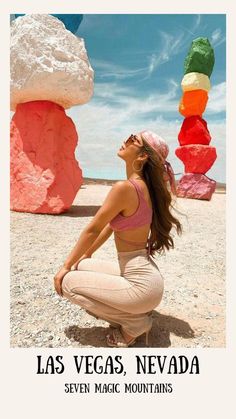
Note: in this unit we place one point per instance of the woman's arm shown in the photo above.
(85, 241)
(103, 236)
(110, 208)
(112, 205)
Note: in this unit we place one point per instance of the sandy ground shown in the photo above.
(191, 314)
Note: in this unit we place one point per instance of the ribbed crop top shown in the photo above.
(141, 217)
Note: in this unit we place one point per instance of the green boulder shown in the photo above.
(200, 57)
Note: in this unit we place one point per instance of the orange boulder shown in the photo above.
(193, 102)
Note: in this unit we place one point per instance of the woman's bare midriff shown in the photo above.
(136, 235)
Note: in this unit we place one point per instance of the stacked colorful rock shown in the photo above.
(50, 72)
(194, 137)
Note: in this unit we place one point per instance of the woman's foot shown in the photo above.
(120, 339)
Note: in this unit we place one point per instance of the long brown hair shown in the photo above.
(163, 220)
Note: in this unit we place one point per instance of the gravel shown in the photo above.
(191, 314)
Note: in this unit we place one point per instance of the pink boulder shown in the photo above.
(196, 186)
(45, 176)
(197, 158)
(194, 131)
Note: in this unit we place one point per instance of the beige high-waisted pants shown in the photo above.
(123, 293)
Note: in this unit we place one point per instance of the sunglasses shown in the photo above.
(132, 140)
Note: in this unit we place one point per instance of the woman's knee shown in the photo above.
(67, 284)
(84, 265)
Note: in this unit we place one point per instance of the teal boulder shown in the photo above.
(200, 57)
(71, 22)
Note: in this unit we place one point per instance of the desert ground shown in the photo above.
(192, 311)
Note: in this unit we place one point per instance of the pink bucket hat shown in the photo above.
(160, 146)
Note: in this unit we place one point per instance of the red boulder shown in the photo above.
(196, 186)
(197, 158)
(45, 176)
(194, 131)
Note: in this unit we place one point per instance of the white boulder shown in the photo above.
(195, 81)
(48, 62)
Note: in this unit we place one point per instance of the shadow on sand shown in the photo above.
(159, 336)
(81, 211)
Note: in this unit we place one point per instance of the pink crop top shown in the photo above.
(141, 217)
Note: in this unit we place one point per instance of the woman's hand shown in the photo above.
(85, 256)
(58, 278)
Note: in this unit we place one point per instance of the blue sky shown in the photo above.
(138, 64)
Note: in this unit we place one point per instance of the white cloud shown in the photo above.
(194, 26)
(217, 38)
(116, 106)
(102, 126)
(101, 138)
(122, 101)
(110, 91)
(197, 22)
(217, 99)
(216, 35)
(108, 69)
(170, 45)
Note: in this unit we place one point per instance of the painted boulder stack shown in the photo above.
(50, 72)
(194, 137)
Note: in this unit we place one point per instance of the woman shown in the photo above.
(137, 210)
